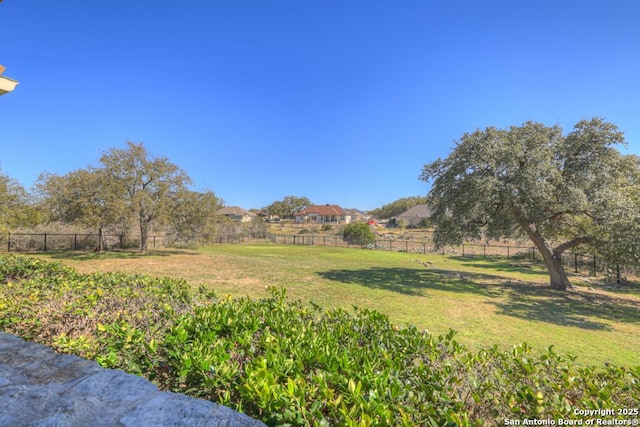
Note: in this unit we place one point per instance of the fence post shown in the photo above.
(406, 246)
(75, 242)
(575, 260)
(484, 251)
(45, 242)
(533, 254)
(463, 249)
(507, 251)
(154, 242)
(594, 265)
(8, 242)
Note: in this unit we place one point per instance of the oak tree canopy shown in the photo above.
(532, 180)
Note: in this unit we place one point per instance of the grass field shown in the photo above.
(494, 301)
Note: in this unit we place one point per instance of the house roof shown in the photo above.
(6, 84)
(418, 211)
(322, 210)
(355, 212)
(234, 210)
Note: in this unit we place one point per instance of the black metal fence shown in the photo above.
(579, 262)
(400, 245)
(48, 242)
(223, 238)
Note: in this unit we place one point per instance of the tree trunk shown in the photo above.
(558, 278)
(561, 281)
(100, 240)
(144, 231)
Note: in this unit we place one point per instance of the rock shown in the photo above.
(41, 387)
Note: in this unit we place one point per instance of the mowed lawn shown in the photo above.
(493, 301)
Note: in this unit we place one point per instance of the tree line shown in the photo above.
(129, 188)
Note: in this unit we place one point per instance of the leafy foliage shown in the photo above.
(147, 184)
(84, 197)
(286, 363)
(287, 207)
(358, 233)
(15, 209)
(53, 304)
(528, 181)
(192, 219)
(619, 232)
(130, 186)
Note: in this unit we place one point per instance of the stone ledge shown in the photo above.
(41, 387)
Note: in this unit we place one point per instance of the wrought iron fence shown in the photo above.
(48, 242)
(579, 262)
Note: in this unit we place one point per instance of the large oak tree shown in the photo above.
(149, 185)
(532, 180)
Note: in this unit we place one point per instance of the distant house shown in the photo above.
(358, 215)
(412, 217)
(236, 213)
(324, 214)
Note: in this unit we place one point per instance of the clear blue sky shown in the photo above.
(339, 101)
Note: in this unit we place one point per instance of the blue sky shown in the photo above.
(339, 101)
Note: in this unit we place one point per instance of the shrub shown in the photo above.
(358, 233)
(55, 305)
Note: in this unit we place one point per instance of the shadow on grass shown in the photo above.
(411, 281)
(530, 301)
(579, 309)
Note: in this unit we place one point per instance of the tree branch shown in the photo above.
(570, 244)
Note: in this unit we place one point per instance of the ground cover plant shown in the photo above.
(286, 362)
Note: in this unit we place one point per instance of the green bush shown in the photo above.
(291, 364)
(358, 233)
(53, 304)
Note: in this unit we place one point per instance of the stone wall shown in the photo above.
(41, 387)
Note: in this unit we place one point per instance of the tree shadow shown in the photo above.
(575, 308)
(520, 299)
(409, 281)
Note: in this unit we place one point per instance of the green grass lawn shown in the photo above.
(492, 301)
